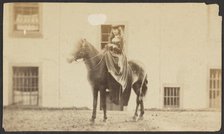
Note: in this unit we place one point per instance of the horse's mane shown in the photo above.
(91, 47)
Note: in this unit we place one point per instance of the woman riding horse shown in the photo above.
(116, 42)
(99, 64)
(115, 57)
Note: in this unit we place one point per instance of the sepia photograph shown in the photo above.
(112, 67)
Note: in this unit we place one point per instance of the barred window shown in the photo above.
(171, 97)
(215, 88)
(25, 85)
(26, 19)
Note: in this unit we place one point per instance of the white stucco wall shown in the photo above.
(171, 40)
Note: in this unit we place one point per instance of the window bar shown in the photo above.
(166, 90)
(175, 97)
(171, 97)
(213, 85)
(164, 102)
(178, 97)
(20, 84)
(210, 105)
(212, 100)
(164, 97)
(24, 86)
(29, 87)
(214, 96)
(37, 91)
(220, 79)
(32, 83)
(177, 101)
(168, 98)
(217, 87)
(14, 84)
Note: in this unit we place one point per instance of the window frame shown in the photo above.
(110, 24)
(24, 64)
(29, 34)
(178, 103)
(212, 89)
(20, 79)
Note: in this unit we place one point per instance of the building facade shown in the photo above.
(179, 45)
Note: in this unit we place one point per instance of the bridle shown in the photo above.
(84, 59)
(91, 58)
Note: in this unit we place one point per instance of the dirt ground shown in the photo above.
(78, 120)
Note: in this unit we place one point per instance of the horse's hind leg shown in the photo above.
(142, 110)
(136, 109)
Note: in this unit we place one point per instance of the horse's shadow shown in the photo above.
(109, 122)
(121, 125)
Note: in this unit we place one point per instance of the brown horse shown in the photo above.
(100, 79)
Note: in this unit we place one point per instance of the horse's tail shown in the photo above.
(144, 86)
(140, 86)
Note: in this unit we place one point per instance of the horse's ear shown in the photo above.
(83, 42)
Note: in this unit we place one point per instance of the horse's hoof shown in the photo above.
(141, 118)
(104, 120)
(134, 118)
(92, 121)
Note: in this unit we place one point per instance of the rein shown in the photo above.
(95, 67)
(92, 57)
(86, 60)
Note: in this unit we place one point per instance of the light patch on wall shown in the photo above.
(97, 19)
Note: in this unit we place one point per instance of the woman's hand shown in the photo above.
(112, 45)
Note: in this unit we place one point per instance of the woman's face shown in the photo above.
(115, 31)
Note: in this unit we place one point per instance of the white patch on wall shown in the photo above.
(97, 19)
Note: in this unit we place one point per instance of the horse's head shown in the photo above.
(81, 50)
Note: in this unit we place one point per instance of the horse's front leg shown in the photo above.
(104, 106)
(95, 96)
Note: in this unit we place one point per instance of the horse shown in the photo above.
(100, 79)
